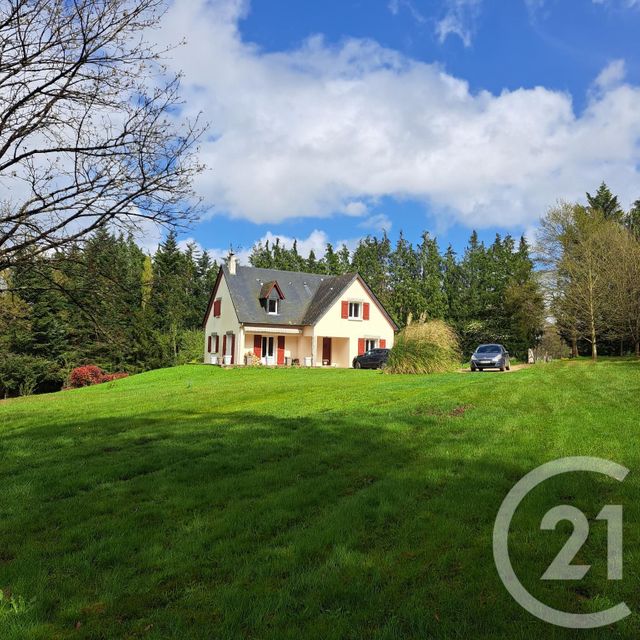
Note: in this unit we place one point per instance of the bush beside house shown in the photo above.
(425, 347)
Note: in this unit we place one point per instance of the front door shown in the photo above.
(326, 350)
(268, 350)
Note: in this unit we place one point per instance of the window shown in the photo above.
(272, 306)
(489, 348)
(217, 308)
(370, 344)
(267, 347)
(354, 311)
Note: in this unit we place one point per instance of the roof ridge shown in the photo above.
(298, 273)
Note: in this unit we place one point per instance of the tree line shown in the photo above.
(102, 302)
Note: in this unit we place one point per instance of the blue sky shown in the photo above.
(331, 120)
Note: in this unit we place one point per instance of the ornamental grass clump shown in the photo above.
(425, 347)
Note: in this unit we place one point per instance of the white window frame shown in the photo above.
(229, 350)
(370, 344)
(268, 348)
(353, 306)
(276, 304)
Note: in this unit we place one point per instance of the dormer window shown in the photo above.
(270, 296)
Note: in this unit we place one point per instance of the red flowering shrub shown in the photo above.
(89, 374)
(85, 376)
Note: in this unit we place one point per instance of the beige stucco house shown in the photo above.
(284, 317)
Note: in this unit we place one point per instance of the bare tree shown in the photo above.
(90, 133)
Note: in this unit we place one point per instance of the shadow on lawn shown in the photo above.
(188, 525)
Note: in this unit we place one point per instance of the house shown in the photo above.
(284, 317)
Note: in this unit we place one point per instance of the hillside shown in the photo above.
(200, 503)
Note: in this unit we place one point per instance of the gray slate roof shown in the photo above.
(306, 295)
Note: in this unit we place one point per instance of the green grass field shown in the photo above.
(289, 504)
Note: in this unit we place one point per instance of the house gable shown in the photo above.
(357, 291)
(221, 318)
(358, 318)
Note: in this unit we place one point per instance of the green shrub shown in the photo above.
(190, 346)
(23, 375)
(425, 347)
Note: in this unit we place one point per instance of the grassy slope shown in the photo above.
(201, 503)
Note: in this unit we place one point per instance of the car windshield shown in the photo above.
(488, 348)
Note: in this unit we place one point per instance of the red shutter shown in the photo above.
(383, 344)
(233, 348)
(217, 344)
(365, 311)
(280, 349)
(257, 346)
(360, 346)
(209, 344)
(345, 309)
(224, 345)
(217, 308)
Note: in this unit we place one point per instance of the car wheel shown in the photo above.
(508, 365)
(357, 365)
(502, 367)
(480, 369)
(473, 367)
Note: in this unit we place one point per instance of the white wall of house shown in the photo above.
(226, 324)
(332, 324)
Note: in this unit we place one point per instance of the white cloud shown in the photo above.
(627, 4)
(396, 5)
(612, 75)
(459, 20)
(312, 131)
(378, 222)
(355, 208)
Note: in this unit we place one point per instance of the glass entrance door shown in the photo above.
(268, 350)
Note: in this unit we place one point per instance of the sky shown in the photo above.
(332, 120)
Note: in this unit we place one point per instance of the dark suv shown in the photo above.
(372, 359)
(490, 356)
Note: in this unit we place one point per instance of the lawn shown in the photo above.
(286, 504)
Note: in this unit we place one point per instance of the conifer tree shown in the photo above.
(431, 277)
(404, 280)
(605, 202)
(371, 261)
(344, 259)
(331, 262)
